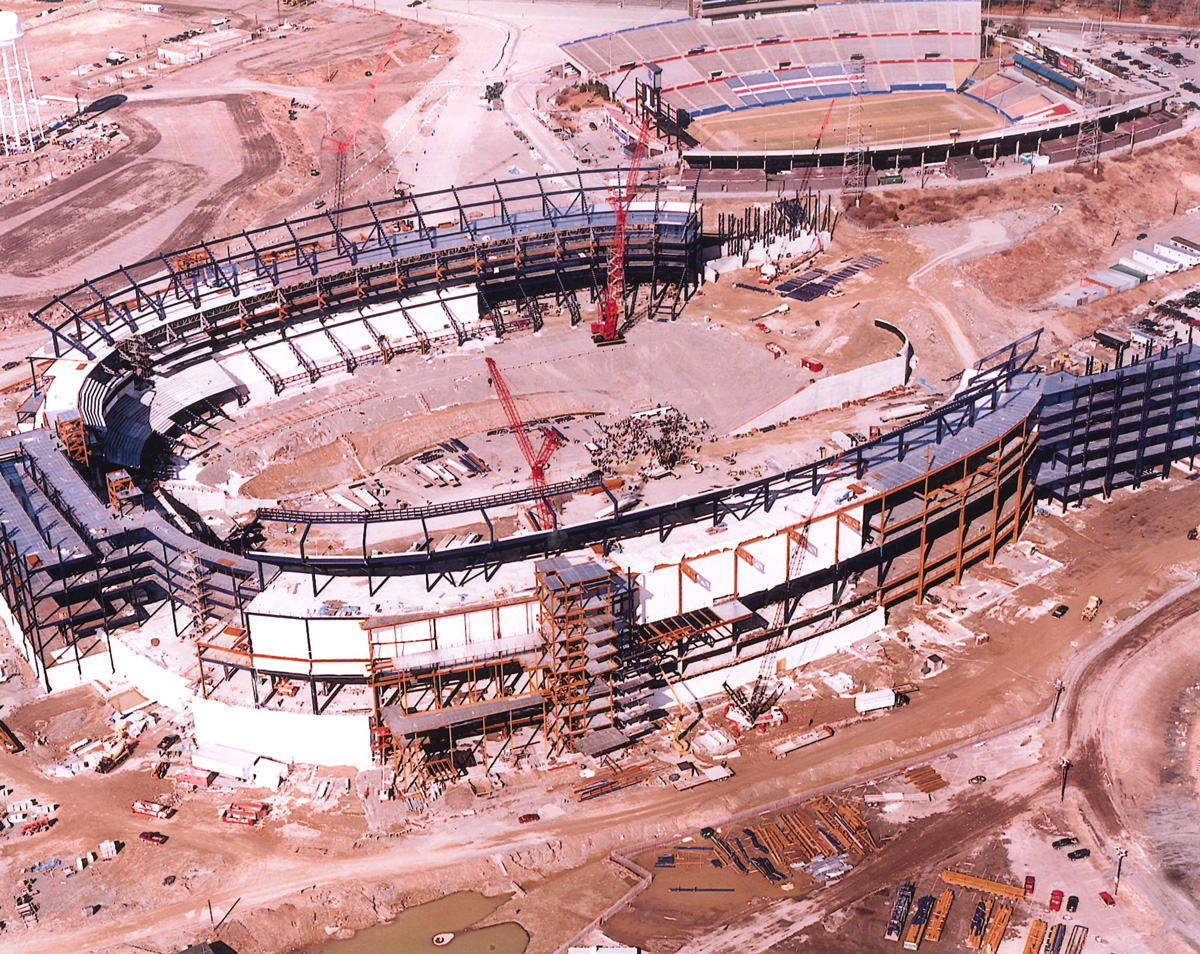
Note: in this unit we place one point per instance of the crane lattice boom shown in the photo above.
(612, 298)
(536, 461)
(341, 144)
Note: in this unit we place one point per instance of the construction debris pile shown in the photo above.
(664, 436)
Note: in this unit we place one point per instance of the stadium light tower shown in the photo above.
(20, 121)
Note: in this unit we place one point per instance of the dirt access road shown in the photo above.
(1118, 709)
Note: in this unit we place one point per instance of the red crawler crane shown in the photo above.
(537, 462)
(612, 299)
(341, 144)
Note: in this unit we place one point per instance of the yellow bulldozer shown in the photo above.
(1089, 611)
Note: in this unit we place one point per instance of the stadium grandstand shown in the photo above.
(712, 66)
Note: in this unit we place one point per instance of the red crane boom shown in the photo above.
(341, 144)
(536, 461)
(612, 298)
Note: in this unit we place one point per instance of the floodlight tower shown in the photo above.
(20, 120)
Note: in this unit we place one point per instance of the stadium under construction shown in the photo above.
(555, 640)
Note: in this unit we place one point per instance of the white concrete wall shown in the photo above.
(330, 638)
(152, 680)
(459, 629)
(707, 685)
(285, 736)
(835, 390)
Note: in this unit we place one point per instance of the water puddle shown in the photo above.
(413, 931)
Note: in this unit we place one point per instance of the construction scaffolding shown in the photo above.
(193, 583)
(73, 434)
(582, 607)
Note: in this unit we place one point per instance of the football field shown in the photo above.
(887, 118)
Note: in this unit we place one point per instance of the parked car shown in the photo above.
(1079, 854)
(1073, 904)
(153, 837)
(147, 86)
(44, 79)
(168, 742)
(1108, 899)
(1030, 882)
(1064, 843)
(529, 817)
(1056, 897)
(1061, 610)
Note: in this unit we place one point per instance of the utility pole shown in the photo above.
(1066, 767)
(1059, 688)
(1121, 853)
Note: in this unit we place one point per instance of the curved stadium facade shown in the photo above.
(553, 641)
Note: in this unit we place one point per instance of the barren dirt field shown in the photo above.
(1089, 214)
(896, 117)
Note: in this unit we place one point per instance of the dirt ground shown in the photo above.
(896, 117)
(365, 452)
(1089, 213)
(985, 688)
(211, 147)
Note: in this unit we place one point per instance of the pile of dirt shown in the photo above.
(1094, 212)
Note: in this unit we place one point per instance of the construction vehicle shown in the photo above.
(678, 729)
(244, 813)
(117, 749)
(920, 921)
(9, 742)
(937, 917)
(739, 722)
(1089, 611)
(605, 331)
(1194, 533)
(537, 461)
(151, 809)
(904, 898)
(344, 143)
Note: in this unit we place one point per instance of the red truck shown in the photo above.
(244, 813)
(151, 809)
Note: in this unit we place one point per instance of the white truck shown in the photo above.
(875, 700)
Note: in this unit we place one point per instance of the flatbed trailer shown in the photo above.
(979, 922)
(920, 921)
(150, 809)
(995, 933)
(9, 742)
(904, 899)
(937, 918)
(244, 813)
(1078, 936)
(1037, 934)
(1013, 892)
